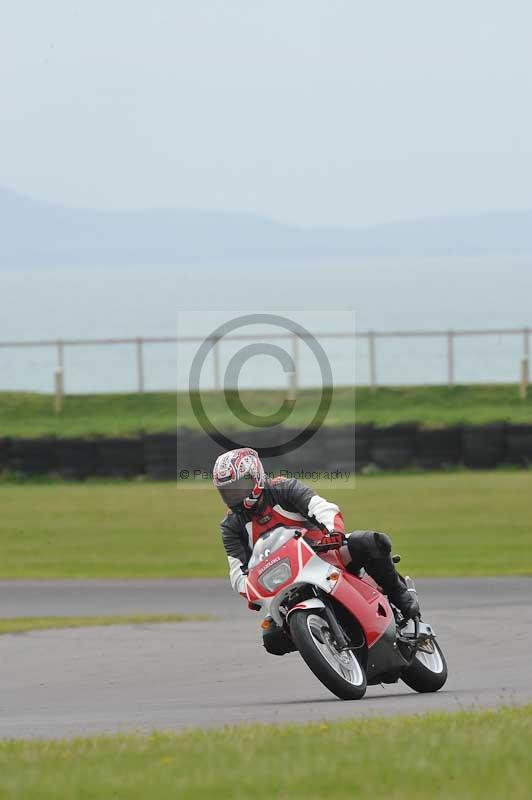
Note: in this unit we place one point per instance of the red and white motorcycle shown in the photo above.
(343, 626)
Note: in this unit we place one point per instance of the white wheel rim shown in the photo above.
(430, 657)
(343, 662)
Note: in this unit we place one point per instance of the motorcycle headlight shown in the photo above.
(275, 576)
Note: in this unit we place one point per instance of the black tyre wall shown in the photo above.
(338, 446)
(121, 458)
(439, 447)
(201, 453)
(394, 447)
(32, 456)
(519, 444)
(364, 435)
(328, 450)
(76, 458)
(160, 455)
(484, 446)
(5, 448)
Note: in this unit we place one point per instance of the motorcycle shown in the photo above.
(343, 626)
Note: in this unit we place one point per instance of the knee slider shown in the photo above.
(366, 545)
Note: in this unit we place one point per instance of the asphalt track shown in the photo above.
(85, 681)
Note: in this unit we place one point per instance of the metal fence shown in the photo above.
(140, 344)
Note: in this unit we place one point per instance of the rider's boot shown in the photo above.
(372, 550)
(383, 571)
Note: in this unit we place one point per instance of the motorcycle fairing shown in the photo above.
(366, 604)
(307, 568)
(312, 602)
(384, 658)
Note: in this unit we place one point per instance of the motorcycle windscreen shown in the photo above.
(268, 543)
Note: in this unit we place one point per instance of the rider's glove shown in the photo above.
(336, 538)
(331, 541)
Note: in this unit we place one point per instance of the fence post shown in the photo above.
(293, 380)
(140, 365)
(524, 377)
(58, 390)
(61, 362)
(216, 363)
(523, 384)
(450, 358)
(372, 361)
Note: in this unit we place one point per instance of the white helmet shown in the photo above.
(239, 477)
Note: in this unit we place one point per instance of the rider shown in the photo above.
(257, 504)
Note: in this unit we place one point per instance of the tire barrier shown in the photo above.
(200, 452)
(160, 455)
(120, 458)
(394, 447)
(164, 456)
(483, 446)
(363, 444)
(4, 454)
(31, 457)
(438, 448)
(334, 447)
(76, 458)
(519, 444)
(305, 459)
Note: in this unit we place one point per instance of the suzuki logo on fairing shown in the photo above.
(267, 566)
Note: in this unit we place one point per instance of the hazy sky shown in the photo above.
(311, 111)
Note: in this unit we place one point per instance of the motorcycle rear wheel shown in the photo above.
(428, 670)
(339, 671)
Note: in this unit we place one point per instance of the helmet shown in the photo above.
(239, 477)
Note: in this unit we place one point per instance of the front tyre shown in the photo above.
(340, 671)
(428, 670)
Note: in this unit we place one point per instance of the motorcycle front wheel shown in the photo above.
(338, 670)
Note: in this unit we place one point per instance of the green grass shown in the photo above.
(25, 624)
(461, 523)
(473, 755)
(30, 414)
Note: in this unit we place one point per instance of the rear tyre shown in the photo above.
(428, 670)
(339, 671)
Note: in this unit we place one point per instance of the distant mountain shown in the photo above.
(33, 233)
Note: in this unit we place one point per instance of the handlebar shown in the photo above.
(331, 541)
(334, 541)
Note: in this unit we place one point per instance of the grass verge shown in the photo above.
(25, 624)
(438, 756)
(463, 523)
(31, 414)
